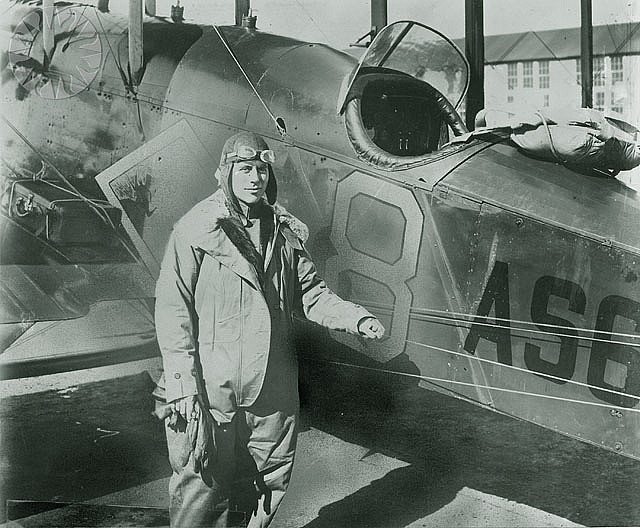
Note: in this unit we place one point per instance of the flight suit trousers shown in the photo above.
(246, 481)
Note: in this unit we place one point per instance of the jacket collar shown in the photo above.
(223, 236)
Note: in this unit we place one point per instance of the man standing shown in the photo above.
(234, 272)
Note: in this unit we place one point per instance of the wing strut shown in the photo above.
(586, 53)
(474, 51)
(135, 42)
(242, 10)
(48, 31)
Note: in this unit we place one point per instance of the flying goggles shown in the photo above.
(248, 154)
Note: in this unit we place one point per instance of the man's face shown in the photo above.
(249, 180)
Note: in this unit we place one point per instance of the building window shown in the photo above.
(527, 74)
(512, 76)
(578, 72)
(616, 104)
(598, 71)
(543, 74)
(599, 101)
(509, 98)
(545, 100)
(617, 75)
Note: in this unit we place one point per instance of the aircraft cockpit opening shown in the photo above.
(400, 101)
(398, 115)
(398, 120)
(399, 124)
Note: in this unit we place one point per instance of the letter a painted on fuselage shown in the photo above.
(495, 293)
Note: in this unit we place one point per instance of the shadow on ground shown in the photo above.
(80, 443)
(450, 445)
(98, 438)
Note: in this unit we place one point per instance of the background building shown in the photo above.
(542, 69)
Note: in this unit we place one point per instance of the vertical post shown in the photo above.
(135, 41)
(150, 7)
(378, 16)
(242, 9)
(474, 51)
(586, 52)
(48, 32)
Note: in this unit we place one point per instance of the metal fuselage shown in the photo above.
(501, 279)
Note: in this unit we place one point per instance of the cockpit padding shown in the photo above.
(394, 120)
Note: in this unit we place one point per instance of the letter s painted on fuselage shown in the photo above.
(544, 288)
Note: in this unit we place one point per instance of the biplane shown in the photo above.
(506, 280)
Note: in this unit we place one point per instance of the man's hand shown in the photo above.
(189, 415)
(371, 327)
(187, 408)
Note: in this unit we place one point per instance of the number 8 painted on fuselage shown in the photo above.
(401, 203)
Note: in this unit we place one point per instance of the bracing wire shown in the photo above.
(48, 245)
(590, 339)
(495, 322)
(139, 306)
(305, 178)
(433, 379)
(96, 206)
(40, 331)
(555, 334)
(313, 20)
(116, 59)
(276, 121)
(520, 369)
(52, 324)
(495, 363)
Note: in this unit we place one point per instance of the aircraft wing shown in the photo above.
(32, 293)
(59, 255)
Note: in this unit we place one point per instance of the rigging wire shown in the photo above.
(627, 39)
(43, 241)
(116, 60)
(275, 119)
(613, 39)
(141, 307)
(487, 321)
(45, 328)
(42, 329)
(139, 113)
(98, 207)
(520, 369)
(307, 181)
(433, 379)
(128, 84)
(313, 20)
(590, 339)
(73, 29)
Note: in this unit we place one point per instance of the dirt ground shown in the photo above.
(374, 452)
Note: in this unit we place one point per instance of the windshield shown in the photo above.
(421, 52)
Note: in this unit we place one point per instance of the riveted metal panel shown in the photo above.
(557, 321)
